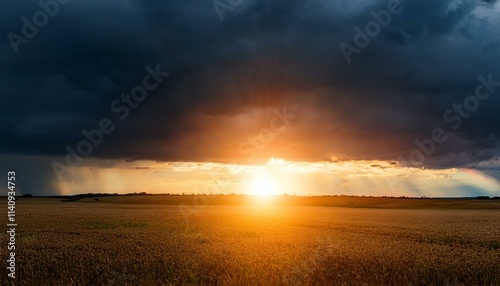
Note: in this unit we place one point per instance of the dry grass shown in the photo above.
(110, 243)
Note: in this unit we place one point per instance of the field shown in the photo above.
(239, 240)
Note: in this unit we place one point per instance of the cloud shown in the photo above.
(33, 174)
(227, 77)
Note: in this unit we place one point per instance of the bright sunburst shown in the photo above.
(263, 185)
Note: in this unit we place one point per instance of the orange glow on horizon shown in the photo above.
(277, 177)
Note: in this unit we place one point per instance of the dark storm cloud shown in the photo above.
(265, 54)
(33, 175)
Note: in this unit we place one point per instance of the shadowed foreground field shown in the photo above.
(149, 240)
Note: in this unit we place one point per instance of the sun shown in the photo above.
(263, 185)
(268, 180)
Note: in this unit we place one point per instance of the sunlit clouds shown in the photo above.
(91, 106)
(370, 178)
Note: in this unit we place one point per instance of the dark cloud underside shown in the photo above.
(226, 78)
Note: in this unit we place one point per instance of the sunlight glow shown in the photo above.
(263, 185)
(277, 177)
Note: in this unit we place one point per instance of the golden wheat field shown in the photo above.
(231, 240)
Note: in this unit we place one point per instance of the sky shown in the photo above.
(357, 97)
